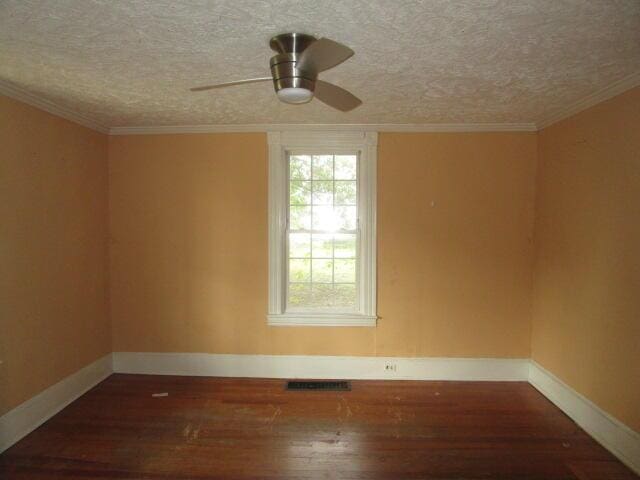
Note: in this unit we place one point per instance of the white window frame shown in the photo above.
(365, 144)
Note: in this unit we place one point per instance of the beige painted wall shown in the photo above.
(188, 256)
(586, 322)
(53, 255)
(188, 220)
(455, 278)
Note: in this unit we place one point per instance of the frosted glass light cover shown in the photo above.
(295, 95)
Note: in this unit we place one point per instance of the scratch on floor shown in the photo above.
(348, 411)
(271, 419)
(190, 433)
(396, 419)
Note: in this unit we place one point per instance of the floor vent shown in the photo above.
(318, 385)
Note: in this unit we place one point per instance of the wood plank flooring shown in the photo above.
(221, 428)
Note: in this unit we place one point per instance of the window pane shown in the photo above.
(344, 295)
(324, 219)
(299, 245)
(299, 294)
(322, 167)
(346, 167)
(299, 193)
(346, 193)
(345, 246)
(300, 167)
(300, 218)
(345, 218)
(323, 193)
(321, 296)
(322, 245)
(322, 270)
(344, 271)
(299, 270)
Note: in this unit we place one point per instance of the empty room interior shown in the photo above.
(320, 239)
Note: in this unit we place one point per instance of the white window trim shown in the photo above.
(366, 143)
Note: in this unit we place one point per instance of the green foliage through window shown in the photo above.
(322, 233)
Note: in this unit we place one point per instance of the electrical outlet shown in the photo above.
(390, 367)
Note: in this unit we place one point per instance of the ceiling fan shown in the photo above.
(295, 67)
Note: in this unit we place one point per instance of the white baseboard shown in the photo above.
(29, 415)
(611, 433)
(321, 367)
(619, 439)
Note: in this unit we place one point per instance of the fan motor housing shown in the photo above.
(283, 65)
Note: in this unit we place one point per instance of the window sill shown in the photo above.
(321, 320)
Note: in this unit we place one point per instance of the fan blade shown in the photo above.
(335, 96)
(229, 84)
(322, 55)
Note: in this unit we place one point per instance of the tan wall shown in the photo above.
(53, 256)
(189, 247)
(455, 278)
(586, 322)
(188, 220)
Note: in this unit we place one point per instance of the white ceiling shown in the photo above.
(131, 63)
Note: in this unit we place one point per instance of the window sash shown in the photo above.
(355, 231)
(310, 142)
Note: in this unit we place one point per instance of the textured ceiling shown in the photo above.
(129, 63)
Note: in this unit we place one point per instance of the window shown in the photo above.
(322, 228)
(322, 236)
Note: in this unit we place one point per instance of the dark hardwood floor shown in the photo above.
(222, 428)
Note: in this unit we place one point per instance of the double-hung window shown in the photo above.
(322, 228)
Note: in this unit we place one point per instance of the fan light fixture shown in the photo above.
(294, 71)
(295, 95)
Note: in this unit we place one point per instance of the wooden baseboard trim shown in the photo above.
(615, 436)
(29, 415)
(322, 367)
(611, 433)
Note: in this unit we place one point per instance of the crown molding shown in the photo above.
(351, 127)
(606, 93)
(21, 95)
